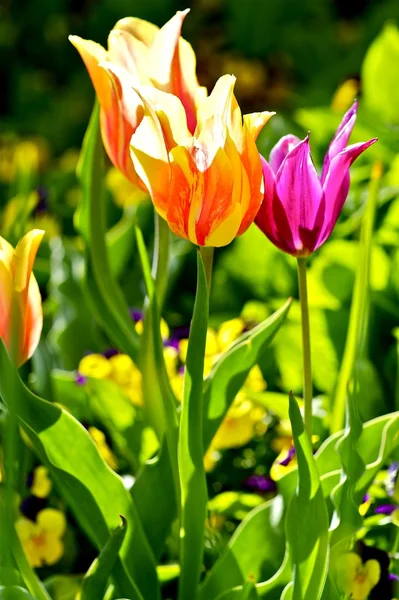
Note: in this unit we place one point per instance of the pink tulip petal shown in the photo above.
(301, 195)
(281, 149)
(336, 185)
(340, 138)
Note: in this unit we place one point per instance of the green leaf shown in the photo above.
(246, 592)
(9, 576)
(307, 519)
(63, 587)
(230, 372)
(379, 75)
(103, 289)
(94, 584)
(379, 439)
(95, 494)
(194, 494)
(14, 592)
(255, 551)
(347, 520)
(356, 342)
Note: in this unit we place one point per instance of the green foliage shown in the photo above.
(306, 520)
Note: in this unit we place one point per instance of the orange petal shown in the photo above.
(121, 120)
(253, 166)
(172, 65)
(6, 296)
(92, 55)
(150, 158)
(33, 321)
(201, 192)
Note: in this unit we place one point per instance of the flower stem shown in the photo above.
(161, 258)
(307, 362)
(207, 258)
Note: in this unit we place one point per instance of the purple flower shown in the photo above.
(110, 352)
(80, 379)
(300, 208)
(385, 509)
(136, 315)
(261, 483)
(290, 455)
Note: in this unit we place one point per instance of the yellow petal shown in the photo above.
(25, 528)
(52, 521)
(53, 549)
(96, 366)
(24, 257)
(227, 230)
(256, 121)
(92, 55)
(141, 30)
(131, 53)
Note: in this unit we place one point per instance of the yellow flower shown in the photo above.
(104, 450)
(41, 486)
(96, 366)
(164, 328)
(238, 427)
(171, 357)
(125, 374)
(229, 331)
(355, 579)
(41, 540)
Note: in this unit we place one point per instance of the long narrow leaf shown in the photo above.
(190, 449)
(102, 287)
(307, 519)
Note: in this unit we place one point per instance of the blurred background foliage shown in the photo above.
(307, 60)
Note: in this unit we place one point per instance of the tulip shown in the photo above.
(139, 54)
(300, 208)
(208, 186)
(21, 317)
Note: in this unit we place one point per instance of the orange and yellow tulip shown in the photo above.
(139, 54)
(208, 186)
(21, 316)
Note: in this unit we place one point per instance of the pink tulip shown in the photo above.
(300, 208)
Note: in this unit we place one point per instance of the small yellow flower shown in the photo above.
(96, 366)
(104, 450)
(164, 329)
(171, 357)
(41, 486)
(127, 376)
(355, 579)
(42, 540)
(229, 331)
(237, 428)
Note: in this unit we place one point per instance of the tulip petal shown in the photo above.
(92, 54)
(251, 160)
(6, 295)
(119, 122)
(172, 65)
(33, 321)
(150, 158)
(301, 194)
(23, 259)
(141, 30)
(340, 138)
(130, 53)
(171, 114)
(200, 193)
(221, 102)
(272, 218)
(281, 149)
(336, 185)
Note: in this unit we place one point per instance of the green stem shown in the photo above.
(161, 259)
(207, 258)
(307, 362)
